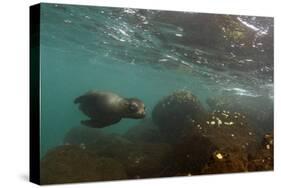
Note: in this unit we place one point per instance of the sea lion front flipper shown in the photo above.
(100, 122)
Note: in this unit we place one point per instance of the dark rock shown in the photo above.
(141, 160)
(113, 146)
(227, 133)
(94, 140)
(148, 160)
(110, 169)
(82, 135)
(69, 164)
(191, 155)
(259, 110)
(226, 162)
(263, 160)
(145, 132)
(176, 111)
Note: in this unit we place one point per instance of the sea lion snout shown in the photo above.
(141, 113)
(136, 108)
(137, 115)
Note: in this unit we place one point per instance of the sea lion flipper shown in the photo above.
(100, 122)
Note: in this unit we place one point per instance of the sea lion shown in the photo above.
(107, 108)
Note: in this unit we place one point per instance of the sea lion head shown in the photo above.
(135, 108)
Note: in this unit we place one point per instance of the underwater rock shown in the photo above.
(263, 160)
(103, 144)
(191, 155)
(229, 130)
(69, 164)
(110, 169)
(176, 111)
(141, 160)
(259, 110)
(145, 132)
(223, 132)
(148, 160)
(113, 146)
(82, 135)
(224, 162)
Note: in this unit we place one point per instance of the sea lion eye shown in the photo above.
(133, 106)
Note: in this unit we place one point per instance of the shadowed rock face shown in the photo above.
(145, 132)
(233, 161)
(263, 160)
(140, 160)
(221, 142)
(175, 112)
(259, 110)
(112, 146)
(82, 135)
(225, 162)
(69, 164)
(148, 160)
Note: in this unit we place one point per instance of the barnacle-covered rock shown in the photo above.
(231, 130)
(225, 162)
(176, 111)
(259, 110)
(263, 160)
(69, 164)
(221, 131)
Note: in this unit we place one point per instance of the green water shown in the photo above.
(135, 54)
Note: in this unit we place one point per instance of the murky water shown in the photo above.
(147, 54)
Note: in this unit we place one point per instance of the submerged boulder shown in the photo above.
(110, 169)
(259, 110)
(140, 160)
(113, 146)
(230, 161)
(148, 160)
(145, 132)
(176, 111)
(225, 162)
(221, 135)
(82, 135)
(69, 164)
(263, 160)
